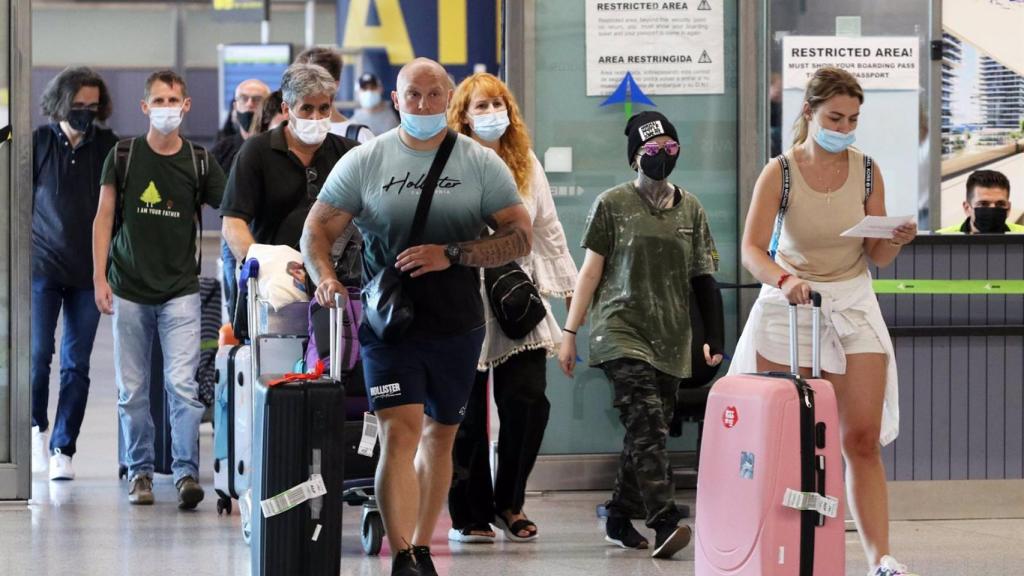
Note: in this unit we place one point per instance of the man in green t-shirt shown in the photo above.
(648, 247)
(146, 275)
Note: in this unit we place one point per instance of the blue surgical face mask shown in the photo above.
(423, 127)
(491, 127)
(833, 141)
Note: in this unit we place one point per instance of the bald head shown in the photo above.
(250, 94)
(422, 88)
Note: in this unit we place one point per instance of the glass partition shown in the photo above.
(583, 420)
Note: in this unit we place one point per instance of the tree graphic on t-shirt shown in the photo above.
(151, 196)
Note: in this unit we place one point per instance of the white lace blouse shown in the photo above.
(552, 269)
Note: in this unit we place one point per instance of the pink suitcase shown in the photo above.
(770, 450)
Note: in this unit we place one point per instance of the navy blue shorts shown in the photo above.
(437, 372)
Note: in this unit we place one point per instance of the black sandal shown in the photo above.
(512, 531)
(467, 536)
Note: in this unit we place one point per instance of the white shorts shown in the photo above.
(772, 336)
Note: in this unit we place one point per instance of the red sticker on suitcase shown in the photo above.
(731, 417)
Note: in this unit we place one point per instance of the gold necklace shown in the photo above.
(826, 182)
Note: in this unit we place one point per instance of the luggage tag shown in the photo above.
(312, 488)
(369, 439)
(824, 505)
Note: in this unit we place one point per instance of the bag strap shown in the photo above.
(869, 177)
(429, 184)
(352, 132)
(122, 163)
(200, 167)
(783, 205)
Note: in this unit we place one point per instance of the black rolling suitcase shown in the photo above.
(298, 440)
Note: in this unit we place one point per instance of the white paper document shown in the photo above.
(877, 226)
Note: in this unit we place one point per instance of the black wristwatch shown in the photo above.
(453, 252)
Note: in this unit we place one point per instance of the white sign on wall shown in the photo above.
(878, 62)
(889, 125)
(669, 47)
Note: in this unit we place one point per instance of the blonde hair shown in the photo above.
(826, 82)
(514, 146)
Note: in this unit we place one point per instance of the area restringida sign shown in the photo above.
(670, 48)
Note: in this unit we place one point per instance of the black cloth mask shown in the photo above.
(245, 119)
(659, 166)
(990, 220)
(80, 120)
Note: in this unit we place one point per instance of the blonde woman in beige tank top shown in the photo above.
(827, 196)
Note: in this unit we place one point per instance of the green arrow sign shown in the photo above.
(949, 286)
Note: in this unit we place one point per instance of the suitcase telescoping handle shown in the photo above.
(254, 327)
(337, 327)
(794, 348)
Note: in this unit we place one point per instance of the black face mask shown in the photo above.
(80, 120)
(990, 220)
(659, 166)
(245, 119)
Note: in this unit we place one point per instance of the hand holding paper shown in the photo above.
(877, 226)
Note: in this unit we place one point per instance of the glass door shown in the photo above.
(16, 198)
(584, 435)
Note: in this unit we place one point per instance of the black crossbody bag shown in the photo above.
(514, 299)
(387, 308)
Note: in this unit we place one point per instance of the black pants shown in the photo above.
(519, 385)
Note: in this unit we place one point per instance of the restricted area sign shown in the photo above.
(669, 47)
(878, 62)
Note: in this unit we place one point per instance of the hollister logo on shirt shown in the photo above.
(651, 129)
(444, 184)
(151, 198)
(386, 390)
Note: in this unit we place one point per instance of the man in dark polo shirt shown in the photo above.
(278, 174)
(68, 155)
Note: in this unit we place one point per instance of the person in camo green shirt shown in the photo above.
(150, 281)
(648, 245)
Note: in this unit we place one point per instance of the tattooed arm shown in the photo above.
(324, 225)
(512, 239)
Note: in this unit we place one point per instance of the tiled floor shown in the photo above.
(86, 527)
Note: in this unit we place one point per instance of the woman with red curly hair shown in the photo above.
(484, 109)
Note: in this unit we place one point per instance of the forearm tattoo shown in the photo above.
(316, 246)
(502, 247)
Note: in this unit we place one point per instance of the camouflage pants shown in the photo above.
(646, 399)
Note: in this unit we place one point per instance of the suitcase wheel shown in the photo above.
(246, 513)
(223, 506)
(372, 533)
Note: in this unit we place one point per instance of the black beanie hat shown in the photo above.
(644, 126)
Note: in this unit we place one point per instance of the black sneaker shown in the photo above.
(403, 564)
(423, 561)
(670, 538)
(190, 493)
(620, 531)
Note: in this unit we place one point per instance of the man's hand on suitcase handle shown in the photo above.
(328, 290)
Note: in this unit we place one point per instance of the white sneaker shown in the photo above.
(40, 450)
(60, 467)
(890, 567)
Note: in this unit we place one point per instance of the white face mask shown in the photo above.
(165, 119)
(309, 132)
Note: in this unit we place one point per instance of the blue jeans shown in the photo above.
(80, 320)
(230, 282)
(177, 322)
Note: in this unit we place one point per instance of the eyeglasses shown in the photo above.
(246, 98)
(311, 188)
(92, 107)
(652, 148)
